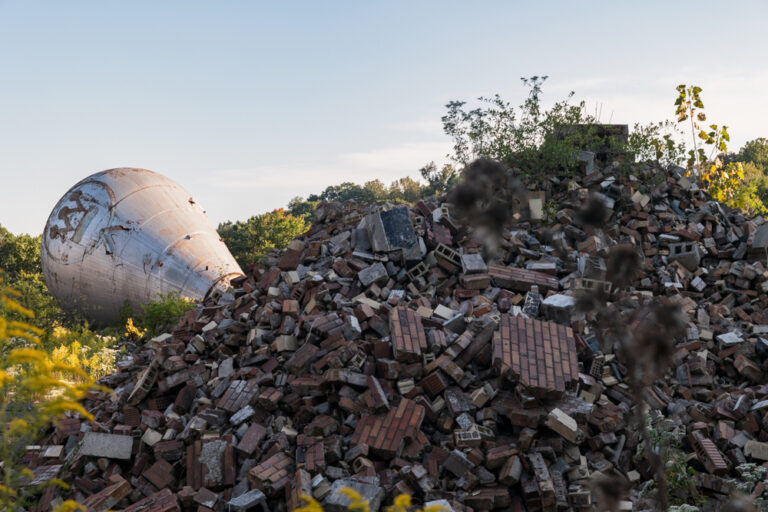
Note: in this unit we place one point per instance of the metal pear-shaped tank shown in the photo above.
(130, 235)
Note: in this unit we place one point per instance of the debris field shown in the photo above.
(388, 351)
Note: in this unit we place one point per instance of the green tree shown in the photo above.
(376, 189)
(20, 260)
(532, 138)
(438, 180)
(405, 189)
(251, 239)
(755, 151)
(19, 253)
(346, 191)
(298, 207)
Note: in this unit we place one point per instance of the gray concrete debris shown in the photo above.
(110, 446)
(249, 501)
(338, 502)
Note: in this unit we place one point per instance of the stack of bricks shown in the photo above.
(273, 474)
(540, 355)
(408, 338)
(387, 351)
(386, 435)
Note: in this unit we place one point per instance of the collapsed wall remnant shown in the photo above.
(130, 235)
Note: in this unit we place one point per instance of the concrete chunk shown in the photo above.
(372, 274)
(338, 502)
(110, 446)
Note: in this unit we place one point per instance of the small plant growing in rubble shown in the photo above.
(160, 314)
(132, 332)
(550, 210)
(750, 474)
(679, 477)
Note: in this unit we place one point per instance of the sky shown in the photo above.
(248, 104)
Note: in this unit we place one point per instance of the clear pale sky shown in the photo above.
(248, 104)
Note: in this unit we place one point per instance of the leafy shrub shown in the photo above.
(679, 483)
(250, 240)
(657, 142)
(160, 315)
(79, 347)
(536, 140)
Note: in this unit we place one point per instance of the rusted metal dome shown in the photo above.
(130, 235)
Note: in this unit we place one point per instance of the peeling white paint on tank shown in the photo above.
(129, 235)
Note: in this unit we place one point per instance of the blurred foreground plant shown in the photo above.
(34, 391)
(81, 348)
(402, 503)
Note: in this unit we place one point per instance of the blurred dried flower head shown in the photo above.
(739, 504)
(622, 265)
(648, 350)
(593, 212)
(486, 197)
(589, 301)
(608, 491)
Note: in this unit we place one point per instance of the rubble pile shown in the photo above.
(386, 352)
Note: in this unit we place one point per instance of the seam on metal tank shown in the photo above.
(146, 187)
(145, 221)
(167, 250)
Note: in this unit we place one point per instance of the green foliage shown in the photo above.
(405, 190)
(161, 314)
(36, 297)
(680, 479)
(723, 181)
(80, 347)
(658, 142)
(20, 261)
(298, 207)
(534, 139)
(34, 390)
(19, 253)
(756, 152)
(346, 191)
(550, 210)
(376, 189)
(438, 180)
(749, 475)
(753, 177)
(252, 239)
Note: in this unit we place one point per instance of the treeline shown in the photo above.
(251, 239)
(537, 143)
